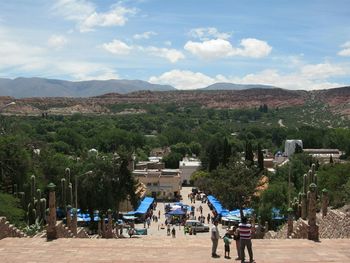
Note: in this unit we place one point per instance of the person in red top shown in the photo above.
(245, 233)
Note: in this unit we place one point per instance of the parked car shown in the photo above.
(197, 226)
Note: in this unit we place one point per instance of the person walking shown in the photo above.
(215, 235)
(168, 229)
(245, 234)
(173, 232)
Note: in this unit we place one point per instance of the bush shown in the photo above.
(9, 207)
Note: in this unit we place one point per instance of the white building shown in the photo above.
(163, 184)
(289, 146)
(187, 167)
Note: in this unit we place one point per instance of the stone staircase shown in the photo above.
(299, 227)
(8, 230)
(335, 225)
(81, 233)
(63, 231)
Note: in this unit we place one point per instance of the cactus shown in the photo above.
(67, 175)
(43, 210)
(305, 184)
(310, 176)
(38, 194)
(70, 194)
(31, 214)
(63, 193)
(32, 188)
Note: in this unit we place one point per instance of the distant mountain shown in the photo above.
(231, 86)
(41, 87)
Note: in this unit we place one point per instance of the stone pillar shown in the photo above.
(103, 225)
(109, 233)
(312, 226)
(51, 232)
(325, 202)
(290, 221)
(69, 218)
(99, 230)
(74, 224)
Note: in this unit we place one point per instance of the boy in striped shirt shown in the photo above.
(245, 233)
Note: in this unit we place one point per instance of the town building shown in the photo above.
(187, 167)
(163, 184)
(290, 146)
(324, 155)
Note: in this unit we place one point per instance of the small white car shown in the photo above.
(198, 226)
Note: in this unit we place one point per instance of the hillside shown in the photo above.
(40, 87)
(232, 86)
(301, 106)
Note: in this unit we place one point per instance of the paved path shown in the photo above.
(158, 247)
(166, 249)
(154, 231)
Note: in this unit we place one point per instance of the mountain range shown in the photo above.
(41, 87)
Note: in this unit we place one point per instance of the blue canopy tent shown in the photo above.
(237, 213)
(217, 205)
(143, 207)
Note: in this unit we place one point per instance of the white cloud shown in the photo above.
(84, 13)
(145, 35)
(220, 48)
(322, 71)
(253, 48)
(172, 55)
(82, 70)
(23, 58)
(57, 41)
(117, 47)
(346, 50)
(210, 49)
(305, 78)
(206, 33)
(183, 79)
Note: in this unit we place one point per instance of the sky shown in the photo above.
(189, 44)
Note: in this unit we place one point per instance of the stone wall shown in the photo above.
(8, 230)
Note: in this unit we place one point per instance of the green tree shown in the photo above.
(249, 155)
(172, 160)
(234, 186)
(260, 158)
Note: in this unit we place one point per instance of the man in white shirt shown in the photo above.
(215, 235)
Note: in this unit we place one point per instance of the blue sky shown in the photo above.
(300, 44)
